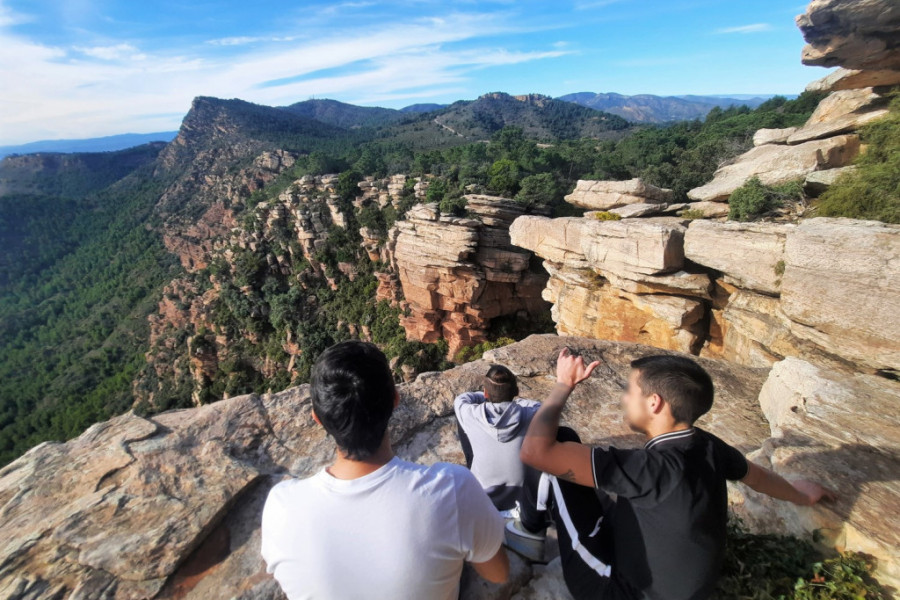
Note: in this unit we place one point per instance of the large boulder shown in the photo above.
(841, 289)
(749, 255)
(459, 273)
(775, 164)
(586, 305)
(856, 34)
(851, 79)
(603, 195)
(840, 112)
(844, 429)
(630, 248)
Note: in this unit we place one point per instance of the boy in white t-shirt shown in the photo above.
(372, 525)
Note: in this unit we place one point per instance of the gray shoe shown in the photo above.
(523, 542)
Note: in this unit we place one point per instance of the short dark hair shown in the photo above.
(500, 384)
(352, 392)
(681, 382)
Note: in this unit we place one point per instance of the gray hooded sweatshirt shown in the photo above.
(496, 431)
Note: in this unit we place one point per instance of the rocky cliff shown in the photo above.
(457, 273)
(169, 506)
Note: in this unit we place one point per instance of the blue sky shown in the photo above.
(85, 68)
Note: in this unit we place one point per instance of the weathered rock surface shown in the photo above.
(750, 255)
(832, 299)
(856, 34)
(841, 289)
(852, 79)
(775, 164)
(819, 181)
(772, 136)
(459, 273)
(169, 506)
(844, 428)
(840, 112)
(603, 195)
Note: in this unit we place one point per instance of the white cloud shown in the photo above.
(100, 90)
(752, 28)
(115, 52)
(244, 40)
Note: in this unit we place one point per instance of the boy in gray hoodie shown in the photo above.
(492, 424)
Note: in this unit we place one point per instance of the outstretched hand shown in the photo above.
(571, 370)
(813, 492)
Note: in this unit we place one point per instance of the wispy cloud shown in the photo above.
(114, 52)
(245, 39)
(752, 28)
(89, 90)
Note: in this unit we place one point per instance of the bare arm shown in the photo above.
(495, 570)
(540, 449)
(802, 492)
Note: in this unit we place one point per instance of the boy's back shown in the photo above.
(670, 518)
(402, 531)
(495, 432)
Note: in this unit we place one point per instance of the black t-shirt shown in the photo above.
(670, 518)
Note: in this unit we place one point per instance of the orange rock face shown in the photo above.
(459, 273)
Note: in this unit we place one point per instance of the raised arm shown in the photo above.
(802, 492)
(540, 449)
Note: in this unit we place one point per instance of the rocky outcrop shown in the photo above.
(847, 33)
(619, 280)
(169, 506)
(844, 427)
(603, 195)
(863, 38)
(851, 310)
(822, 289)
(775, 164)
(459, 273)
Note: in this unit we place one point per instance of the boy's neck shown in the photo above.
(655, 430)
(347, 468)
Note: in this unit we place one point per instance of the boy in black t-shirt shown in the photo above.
(645, 523)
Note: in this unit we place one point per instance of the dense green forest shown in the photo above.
(86, 265)
(74, 332)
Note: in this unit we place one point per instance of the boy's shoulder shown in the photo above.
(525, 402)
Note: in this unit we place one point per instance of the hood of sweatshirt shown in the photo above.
(504, 420)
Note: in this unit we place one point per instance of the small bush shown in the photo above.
(754, 199)
(872, 191)
(604, 215)
(776, 567)
(470, 353)
(692, 213)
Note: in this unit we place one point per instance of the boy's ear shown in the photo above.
(657, 404)
(485, 392)
(316, 418)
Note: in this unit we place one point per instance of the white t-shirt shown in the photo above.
(402, 531)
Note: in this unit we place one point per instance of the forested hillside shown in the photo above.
(91, 259)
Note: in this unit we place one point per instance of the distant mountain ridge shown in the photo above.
(641, 108)
(109, 143)
(647, 108)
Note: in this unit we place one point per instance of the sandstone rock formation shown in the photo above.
(823, 290)
(603, 195)
(169, 506)
(863, 38)
(852, 34)
(618, 280)
(459, 273)
(775, 164)
(844, 427)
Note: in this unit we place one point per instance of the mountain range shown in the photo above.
(642, 108)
